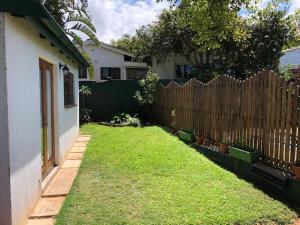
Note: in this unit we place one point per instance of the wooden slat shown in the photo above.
(262, 110)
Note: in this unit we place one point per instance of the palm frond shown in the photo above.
(73, 17)
(85, 29)
(84, 4)
(75, 37)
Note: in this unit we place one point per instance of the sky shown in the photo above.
(113, 18)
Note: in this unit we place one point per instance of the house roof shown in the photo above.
(37, 14)
(111, 48)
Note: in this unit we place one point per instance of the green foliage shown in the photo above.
(126, 43)
(134, 121)
(146, 176)
(215, 39)
(74, 18)
(148, 85)
(286, 71)
(126, 119)
(57, 9)
(295, 28)
(119, 119)
(85, 113)
(85, 90)
(212, 21)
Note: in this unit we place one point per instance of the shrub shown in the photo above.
(286, 71)
(126, 120)
(85, 113)
(145, 97)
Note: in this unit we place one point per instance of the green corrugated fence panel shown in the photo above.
(113, 97)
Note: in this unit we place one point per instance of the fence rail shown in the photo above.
(263, 111)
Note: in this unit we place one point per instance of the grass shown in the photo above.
(146, 176)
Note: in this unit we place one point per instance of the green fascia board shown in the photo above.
(23, 7)
(37, 14)
(50, 36)
(61, 36)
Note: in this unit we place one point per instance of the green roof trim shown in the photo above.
(37, 14)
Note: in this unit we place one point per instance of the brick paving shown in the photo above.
(54, 195)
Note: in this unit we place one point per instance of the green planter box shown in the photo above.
(250, 157)
(186, 136)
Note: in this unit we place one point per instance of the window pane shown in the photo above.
(116, 73)
(83, 73)
(68, 89)
(104, 73)
(136, 73)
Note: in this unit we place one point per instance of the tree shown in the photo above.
(211, 20)
(254, 43)
(269, 31)
(145, 97)
(126, 43)
(295, 27)
(73, 17)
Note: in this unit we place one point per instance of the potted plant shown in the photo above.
(243, 152)
(186, 135)
(296, 167)
(199, 139)
(223, 146)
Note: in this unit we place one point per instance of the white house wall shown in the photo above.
(167, 69)
(5, 205)
(291, 57)
(102, 57)
(24, 48)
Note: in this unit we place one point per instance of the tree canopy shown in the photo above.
(216, 37)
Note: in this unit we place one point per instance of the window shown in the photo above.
(136, 73)
(108, 73)
(183, 70)
(83, 73)
(69, 89)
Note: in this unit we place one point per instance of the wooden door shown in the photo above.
(47, 117)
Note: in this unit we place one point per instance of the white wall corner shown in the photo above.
(5, 192)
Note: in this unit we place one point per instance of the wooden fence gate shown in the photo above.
(263, 111)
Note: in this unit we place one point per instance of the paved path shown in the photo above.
(54, 195)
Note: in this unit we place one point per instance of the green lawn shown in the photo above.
(146, 176)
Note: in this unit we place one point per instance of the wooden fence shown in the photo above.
(262, 111)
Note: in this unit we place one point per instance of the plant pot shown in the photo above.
(173, 130)
(199, 140)
(186, 136)
(223, 148)
(250, 157)
(297, 171)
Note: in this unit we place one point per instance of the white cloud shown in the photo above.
(113, 18)
(295, 4)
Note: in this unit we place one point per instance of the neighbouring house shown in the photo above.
(173, 67)
(39, 115)
(290, 56)
(111, 63)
